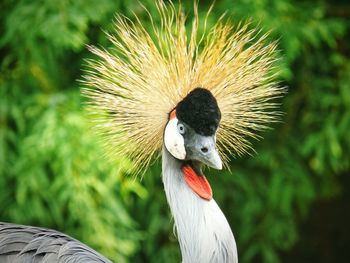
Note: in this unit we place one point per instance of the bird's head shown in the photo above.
(190, 137)
(190, 134)
(154, 71)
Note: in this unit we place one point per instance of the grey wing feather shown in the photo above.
(27, 244)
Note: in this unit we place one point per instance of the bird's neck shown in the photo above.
(202, 229)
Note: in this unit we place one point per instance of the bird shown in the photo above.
(180, 90)
(24, 244)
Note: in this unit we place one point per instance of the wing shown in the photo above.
(22, 244)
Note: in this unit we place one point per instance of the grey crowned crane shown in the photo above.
(194, 97)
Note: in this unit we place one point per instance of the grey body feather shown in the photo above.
(27, 244)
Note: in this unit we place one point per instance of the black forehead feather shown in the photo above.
(200, 111)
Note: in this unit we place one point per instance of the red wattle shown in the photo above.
(198, 183)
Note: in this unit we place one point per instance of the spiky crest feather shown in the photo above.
(135, 85)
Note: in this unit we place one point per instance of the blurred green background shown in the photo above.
(289, 202)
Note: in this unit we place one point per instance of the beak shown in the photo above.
(202, 149)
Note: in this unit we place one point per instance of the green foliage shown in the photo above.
(57, 177)
(53, 171)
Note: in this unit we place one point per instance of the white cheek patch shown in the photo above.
(173, 140)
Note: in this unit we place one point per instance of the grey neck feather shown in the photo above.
(202, 229)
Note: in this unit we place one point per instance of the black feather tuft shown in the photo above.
(200, 111)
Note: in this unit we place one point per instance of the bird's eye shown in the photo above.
(181, 128)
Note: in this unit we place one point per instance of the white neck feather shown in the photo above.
(203, 231)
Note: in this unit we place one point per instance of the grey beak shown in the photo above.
(202, 149)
